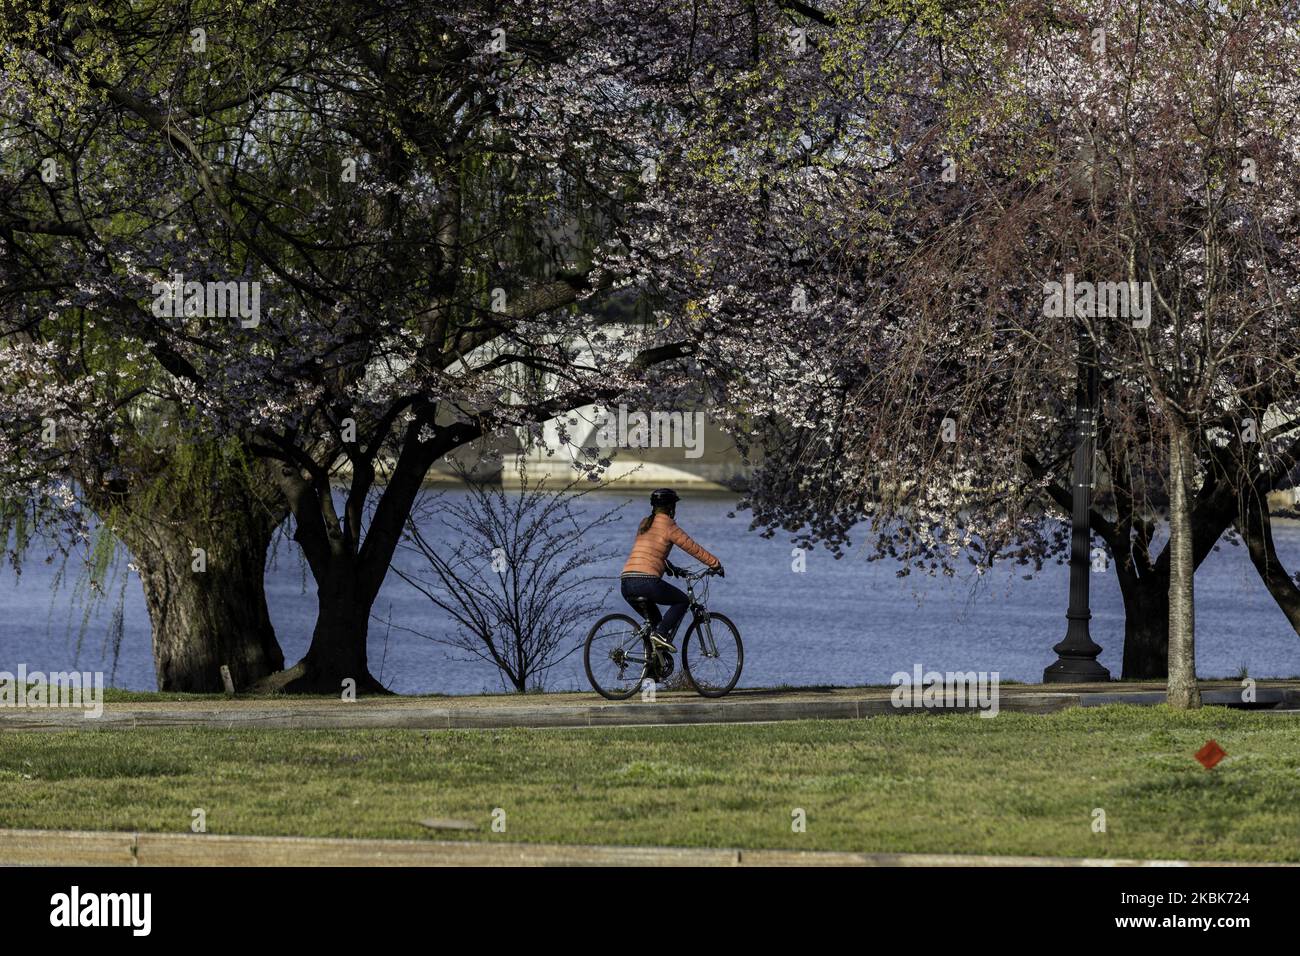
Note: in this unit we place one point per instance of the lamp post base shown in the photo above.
(1076, 670)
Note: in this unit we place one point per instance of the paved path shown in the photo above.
(590, 710)
(106, 848)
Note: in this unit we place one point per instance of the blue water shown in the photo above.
(840, 622)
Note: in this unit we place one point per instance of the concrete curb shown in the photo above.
(361, 716)
(104, 848)
(682, 709)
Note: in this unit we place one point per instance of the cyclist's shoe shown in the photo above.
(657, 640)
(661, 667)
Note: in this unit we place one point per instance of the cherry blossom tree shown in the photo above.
(870, 289)
(1142, 156)
(407, 203)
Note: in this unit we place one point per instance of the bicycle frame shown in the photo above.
(699, 614)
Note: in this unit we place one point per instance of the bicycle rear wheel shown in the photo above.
(616, 657)
(712, 655)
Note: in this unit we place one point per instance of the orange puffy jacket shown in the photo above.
(650, 550)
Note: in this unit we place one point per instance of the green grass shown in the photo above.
(1015, 784)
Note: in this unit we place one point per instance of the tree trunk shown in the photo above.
(1146, 625)
(1256, 527)
(202, 619)
(204, 498)
(336, 659)
(348, 570)
(1183, 692)
(1144, 583)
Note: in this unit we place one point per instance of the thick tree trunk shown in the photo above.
(1146, 625)
(203, 619)
(1144, 583)
(1183, 692)
(336, 660)
(346, 587)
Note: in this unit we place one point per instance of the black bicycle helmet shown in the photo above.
(663, 498)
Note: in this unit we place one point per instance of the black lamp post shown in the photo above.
(1077, 655)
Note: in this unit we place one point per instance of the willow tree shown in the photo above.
(90, 412)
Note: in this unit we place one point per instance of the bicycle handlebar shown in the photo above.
(701, 573)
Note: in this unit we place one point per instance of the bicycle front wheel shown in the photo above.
(712, 655)
(616, 657)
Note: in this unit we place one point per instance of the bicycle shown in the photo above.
(620, 645)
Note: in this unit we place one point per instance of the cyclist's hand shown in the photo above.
(672, 570)
(719, 571)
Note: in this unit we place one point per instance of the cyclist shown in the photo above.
(643, 574)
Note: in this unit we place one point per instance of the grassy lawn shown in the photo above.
(1016, 784)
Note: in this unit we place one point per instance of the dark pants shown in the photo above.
(658, 591)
